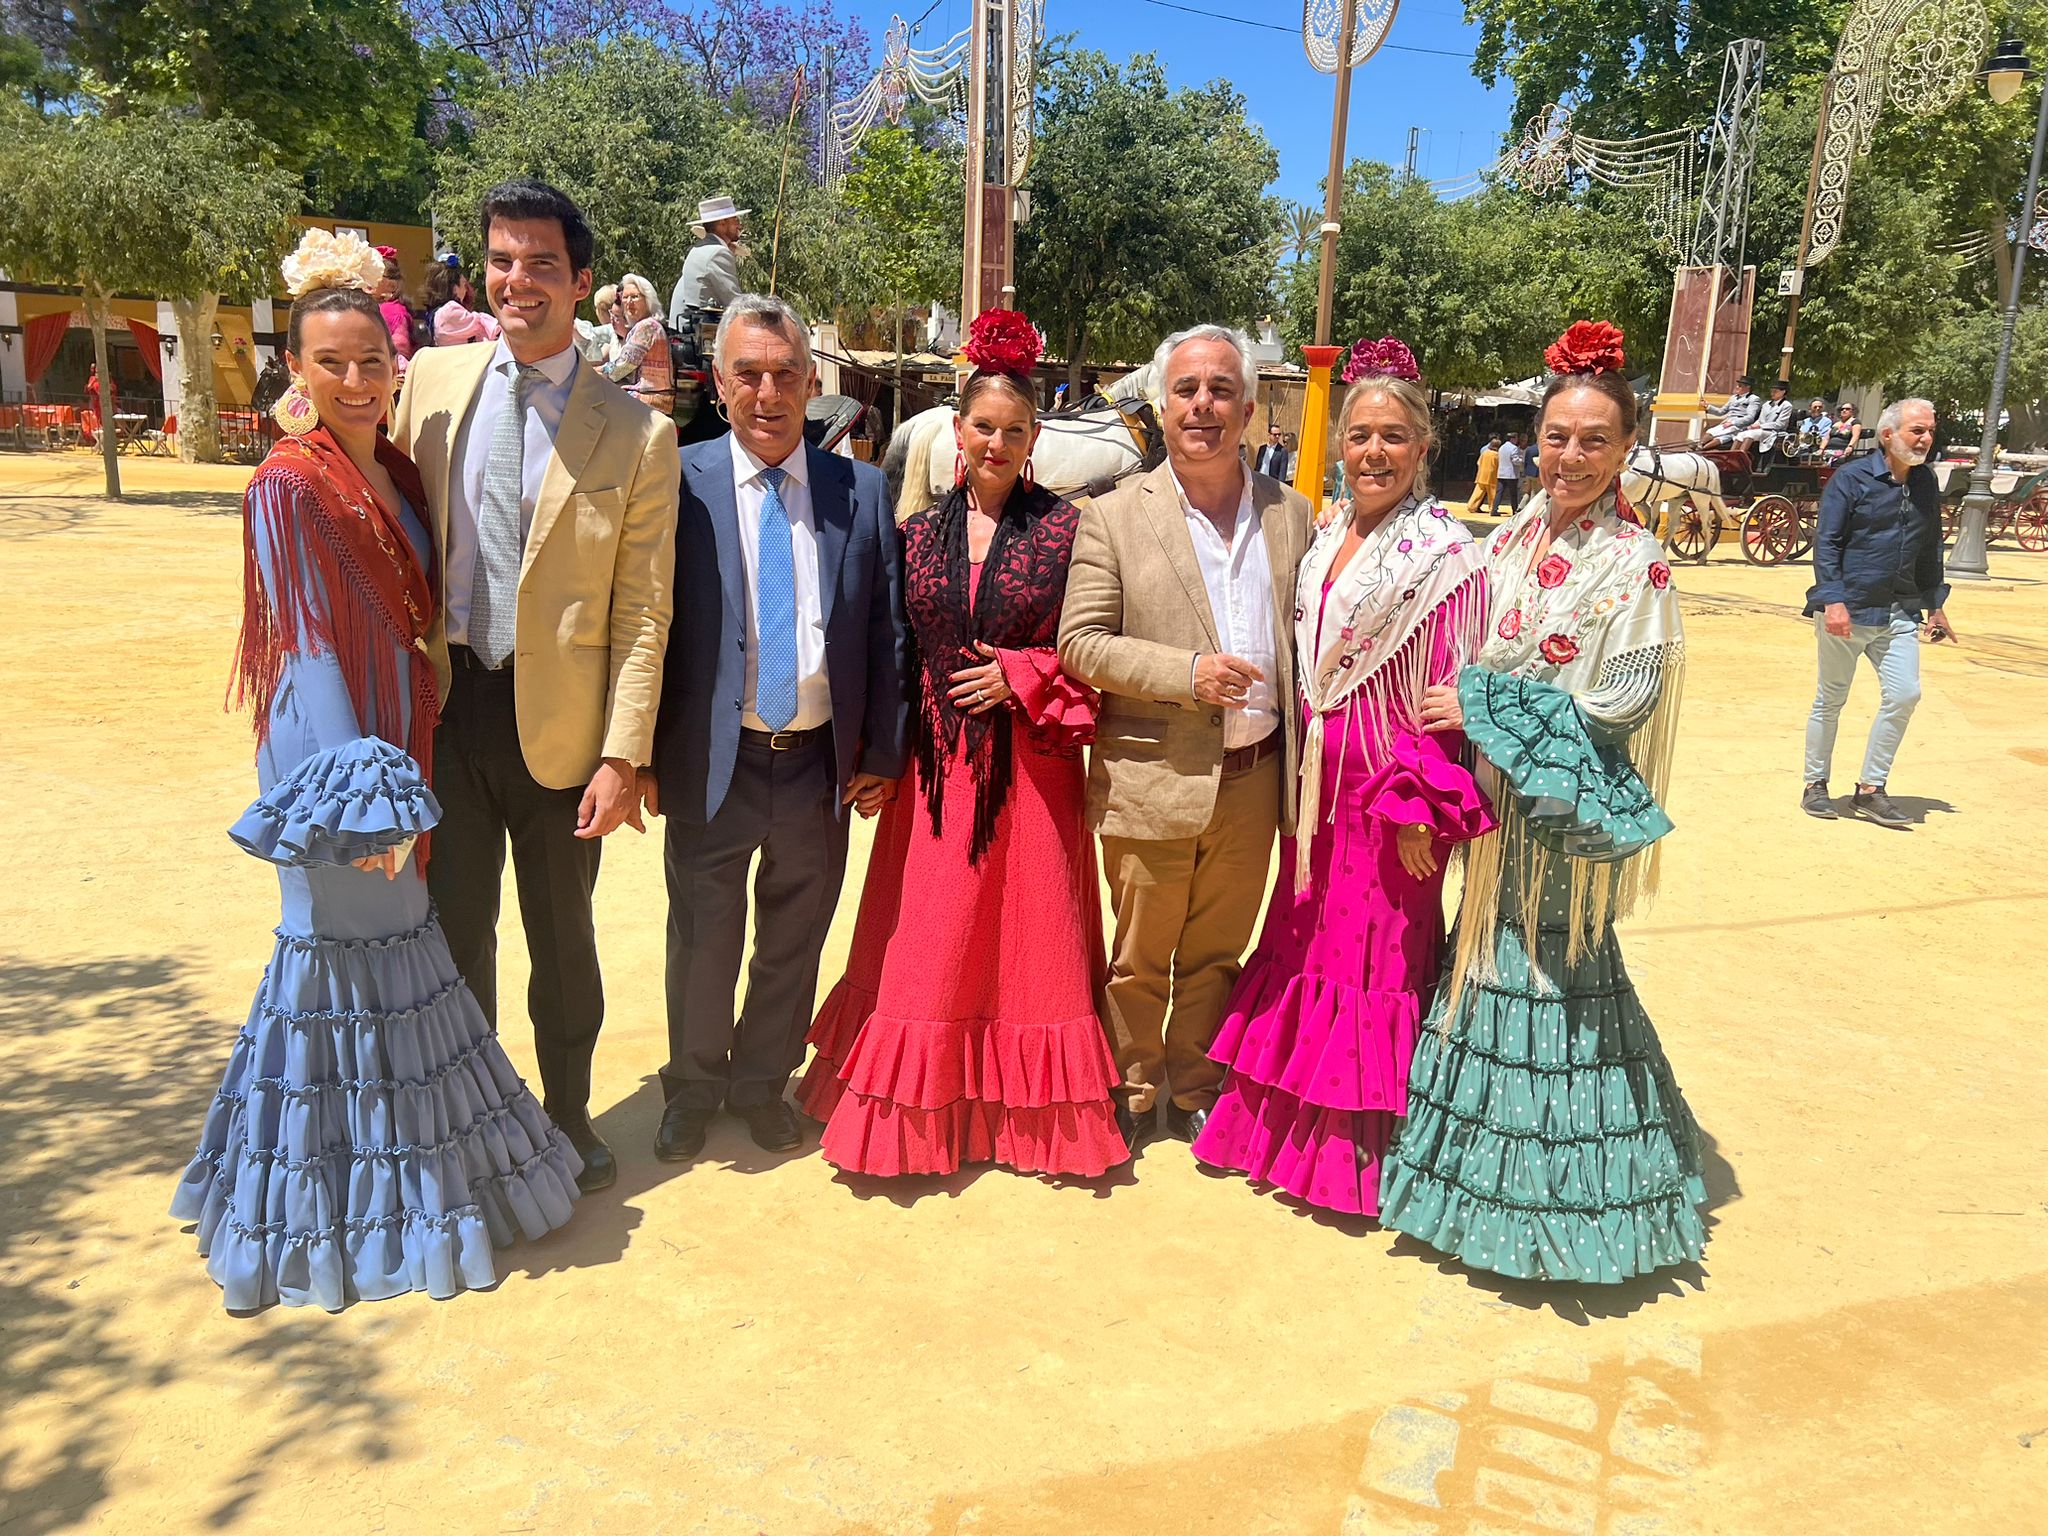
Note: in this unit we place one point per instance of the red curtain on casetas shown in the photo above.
(146, 342)
(41, 338)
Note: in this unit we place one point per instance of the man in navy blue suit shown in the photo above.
(783, 702)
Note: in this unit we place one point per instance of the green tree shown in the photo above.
(906, 208)
(149, 203)
(337, 86)
(1954, 371)
(627, 133)
(1147, 208)
(1479, 288)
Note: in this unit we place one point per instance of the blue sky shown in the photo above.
(1462, 121)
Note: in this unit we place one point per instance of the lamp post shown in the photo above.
(2002, 78)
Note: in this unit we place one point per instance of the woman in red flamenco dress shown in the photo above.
(966, 1027)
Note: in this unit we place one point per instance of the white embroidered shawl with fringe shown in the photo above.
(1375, 634)
(1597, 617)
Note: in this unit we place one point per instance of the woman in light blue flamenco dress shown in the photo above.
(370, 1137)
(1546, 1138)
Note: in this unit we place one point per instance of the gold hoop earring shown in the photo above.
(294, 412)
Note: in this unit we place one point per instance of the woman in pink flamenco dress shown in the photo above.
(1320, 1028)
(966, 1027)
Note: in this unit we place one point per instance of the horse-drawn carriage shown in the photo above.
(1771, 499)
(2019, 505)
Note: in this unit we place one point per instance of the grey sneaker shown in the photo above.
(1875, 805)
(1815, 801)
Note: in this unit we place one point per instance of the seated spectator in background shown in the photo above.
(598, 342)
(1845, 434)
(1813, 429)
(1738, 415)
(640, 360)
(1773, 420)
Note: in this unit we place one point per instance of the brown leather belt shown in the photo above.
(1247, 758)
(781, 741)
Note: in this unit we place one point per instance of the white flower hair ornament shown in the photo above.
(325, 260)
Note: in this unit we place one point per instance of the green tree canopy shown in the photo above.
(1479, 288)
(340, 88)
(147, 203)
(627, 133)
(1148, 209)
(906, 203)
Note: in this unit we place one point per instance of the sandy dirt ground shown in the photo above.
(751, 1344)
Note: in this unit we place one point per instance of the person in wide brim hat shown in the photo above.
(711, 273)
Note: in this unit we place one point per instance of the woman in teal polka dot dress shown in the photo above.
(1546, 1138)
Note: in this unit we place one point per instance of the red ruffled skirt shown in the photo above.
(966, 1029)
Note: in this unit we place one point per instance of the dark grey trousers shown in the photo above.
(487, 799)
(780, 805)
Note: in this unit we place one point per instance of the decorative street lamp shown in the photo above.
(2002, 78)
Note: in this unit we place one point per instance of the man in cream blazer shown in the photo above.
(1180, 609)
(552, 496)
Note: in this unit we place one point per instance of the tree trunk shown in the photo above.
(198, 423)
(96, 299)
(1077, 354)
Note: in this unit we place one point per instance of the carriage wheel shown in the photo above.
(2030, 524)
(1770, 530)
(1691, 537)
(1809, 527)
(1951, 520)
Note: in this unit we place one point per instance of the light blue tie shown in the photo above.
(775, 609)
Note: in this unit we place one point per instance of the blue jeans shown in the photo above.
(1894, 651)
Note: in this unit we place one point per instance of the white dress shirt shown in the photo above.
(1510, 462)
(750, 492)
(545, 403)
(1240, 582)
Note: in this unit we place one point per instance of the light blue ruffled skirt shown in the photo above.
(370, 1136)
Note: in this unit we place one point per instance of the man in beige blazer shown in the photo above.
(1180, 609)
(552, 495)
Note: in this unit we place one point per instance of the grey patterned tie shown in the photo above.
(500, 542)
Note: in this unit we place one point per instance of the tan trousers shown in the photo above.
(1185, 910)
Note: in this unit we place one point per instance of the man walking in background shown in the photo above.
(1509, 490)
(1876, 566)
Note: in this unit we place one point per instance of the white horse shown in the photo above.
(1086, 451)
(1659, 480)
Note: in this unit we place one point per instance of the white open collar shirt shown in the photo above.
(750, 493)
(545, 404)
(1240, 582)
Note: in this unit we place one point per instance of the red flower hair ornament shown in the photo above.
(1388, 358)
(1003, 341)
(1589, 346)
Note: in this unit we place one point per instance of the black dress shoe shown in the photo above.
(1186, 1124)
(773, 1125)
(681, 1136)
(1134, 1132)
(600, 1168)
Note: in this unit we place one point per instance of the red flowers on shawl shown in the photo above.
(1589, 346)
(1003, 341)
(1510, 624)
(1388, 357)
(1553, 570)
(1660, 575)
(1559, 649)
